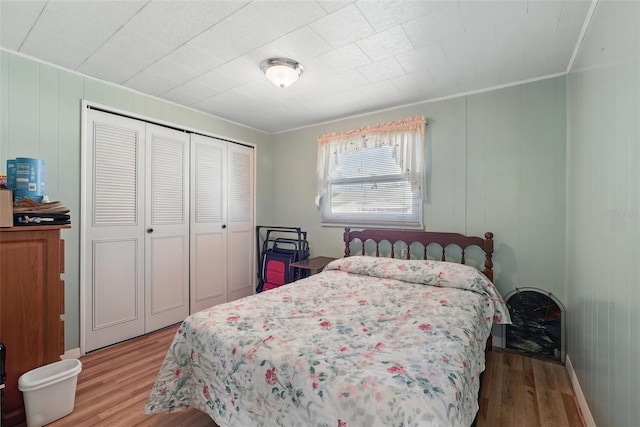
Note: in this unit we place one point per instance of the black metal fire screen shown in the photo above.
(538, 324)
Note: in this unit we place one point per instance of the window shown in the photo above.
(373, 175)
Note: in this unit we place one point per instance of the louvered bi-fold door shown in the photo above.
(136, 247)
(208, 222)
(167, 227)
(113, 247)
(241, 224)
(222, 222)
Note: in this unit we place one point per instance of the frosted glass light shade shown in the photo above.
(281, 72)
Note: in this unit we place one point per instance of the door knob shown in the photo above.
(149, 230)
(224, 226)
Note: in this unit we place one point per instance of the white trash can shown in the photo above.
(49, 391)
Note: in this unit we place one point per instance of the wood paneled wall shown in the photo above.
(603, 214)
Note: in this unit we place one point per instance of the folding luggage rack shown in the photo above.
(277, 248)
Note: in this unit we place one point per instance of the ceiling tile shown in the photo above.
(90, 20)
(230, 104)
(332, 6)
(336, 106)
(151, 83)
(172, 23)
(76, 29)
(190, 93)
(171, 71)
(465, 75)
(538, 64)
(345, 58)
(484, 79)
(573, 15)
(241, 70)
(466, 45)
(387, 91)
(381, 70)
(512, 72)
(270, 50)
(301, 44)
(345, 26)
(380, 90)
(484, 15)
(388, 43)
(112, 64)
(320, 80)
(546, 14)
(225, 42)
(558, 62)
(256, 25)
(444, 23)
(351, 79)
(478, 15)
(492, 62)
(415, 84)
(444, 81)
(46, 47)
(217, 81)
(382, 15)
(422, 58)
(134, 50)
(191, 56)
(16, 20)
(266, 95)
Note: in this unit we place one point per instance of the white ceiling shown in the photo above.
(358, 56)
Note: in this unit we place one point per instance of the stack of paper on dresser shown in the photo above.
(30, 212)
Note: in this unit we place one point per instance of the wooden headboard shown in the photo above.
(425, 238)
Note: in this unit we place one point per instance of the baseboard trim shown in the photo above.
(582, 402)
(74, 353)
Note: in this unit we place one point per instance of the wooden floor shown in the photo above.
(115, 382)
(526, 392)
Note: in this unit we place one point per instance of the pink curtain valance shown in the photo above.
(416, 123)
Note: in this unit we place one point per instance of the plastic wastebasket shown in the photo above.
(49, 391)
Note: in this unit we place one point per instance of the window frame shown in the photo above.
(407, 139)
(364, 218)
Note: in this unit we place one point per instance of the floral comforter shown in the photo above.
(366, 342)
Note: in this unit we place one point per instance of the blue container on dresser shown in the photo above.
(29, 178)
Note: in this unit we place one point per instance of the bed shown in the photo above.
(369, 341)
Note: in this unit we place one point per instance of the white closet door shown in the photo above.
(241, 225)
(113, 247)
(167, 227)
(208, 236)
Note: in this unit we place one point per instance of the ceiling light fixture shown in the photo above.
(282, 72)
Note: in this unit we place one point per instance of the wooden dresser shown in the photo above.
(31, 302)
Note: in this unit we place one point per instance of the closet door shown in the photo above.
(114, 240)
(166, 227)
(241, 225)
(208, 236)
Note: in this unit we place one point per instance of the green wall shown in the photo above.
(40, 116)
(496, 163)
(603, 214)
